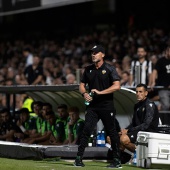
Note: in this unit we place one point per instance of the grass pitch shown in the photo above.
(54, 164)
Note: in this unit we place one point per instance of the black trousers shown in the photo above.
(108, 119)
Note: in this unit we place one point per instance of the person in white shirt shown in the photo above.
(29, 56)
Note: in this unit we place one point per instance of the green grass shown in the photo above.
(54, 164)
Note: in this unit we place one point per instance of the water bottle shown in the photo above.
(86, 102)
(98, 140)
(90, 143)
(134, 158)
(103, 141)
(108, 146)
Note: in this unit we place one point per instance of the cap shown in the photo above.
(98, 48)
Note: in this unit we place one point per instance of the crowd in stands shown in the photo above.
(59, 60)
(52, 62)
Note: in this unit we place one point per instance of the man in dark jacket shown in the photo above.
(145, 118)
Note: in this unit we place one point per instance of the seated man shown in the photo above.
(26, 125)
(43, 132)
(62, 114)
(75, 126)
(145, 118)
(46, 107)
(8, 127)
(57, 129)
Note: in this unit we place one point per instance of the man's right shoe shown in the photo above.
(115, 165)
(78, 162)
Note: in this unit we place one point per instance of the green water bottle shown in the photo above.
(86, 102)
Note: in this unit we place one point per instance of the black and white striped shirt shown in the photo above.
(145, 71)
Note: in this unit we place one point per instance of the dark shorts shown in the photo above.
(133, 136)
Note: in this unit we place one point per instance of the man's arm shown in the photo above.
(131, 79)
(38, 80)
(8, 136)
(149, 73)
(82, 88)
(44, 137)
(23, 79)
(84, 93)
(131, 73)
(111, 89)
(150, 79)
(154, 77)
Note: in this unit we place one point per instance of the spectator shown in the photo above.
(49, 70)
(153, 94)
(126, 63)
(11, 76)
(145, 68)
(29, 57)
(70, 78)
(154, 58)
(125, 79)
(34, 73)
(161, 77)
(49, 80)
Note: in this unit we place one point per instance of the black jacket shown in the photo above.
(145, 117)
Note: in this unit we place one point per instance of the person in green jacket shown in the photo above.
(62, 113)
(26, 125)
(43, 132)
(57, 129)
(75, 126)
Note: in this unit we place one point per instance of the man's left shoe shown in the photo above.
(78, 162)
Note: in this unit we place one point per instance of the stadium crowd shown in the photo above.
(51, 62)
(60, 59)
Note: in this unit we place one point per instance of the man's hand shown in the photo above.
(71, 122)
(87, 97)
(108, 140)
(95, 91)
(19, 122)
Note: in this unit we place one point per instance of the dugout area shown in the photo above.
(124, 101)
